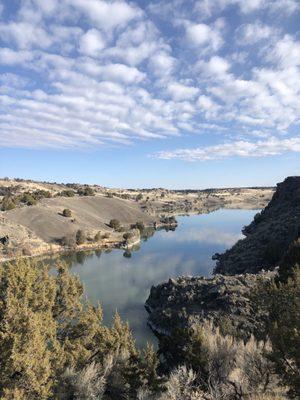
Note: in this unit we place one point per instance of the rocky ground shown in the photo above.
(178, 304)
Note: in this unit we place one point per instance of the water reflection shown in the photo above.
(120, 280)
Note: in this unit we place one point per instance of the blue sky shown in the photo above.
(146, 94)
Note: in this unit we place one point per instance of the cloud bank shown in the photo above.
(93, 73)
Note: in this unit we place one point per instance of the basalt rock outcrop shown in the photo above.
(271, 241)
(269, 236)
(180, 303)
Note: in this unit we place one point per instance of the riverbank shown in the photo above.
(45, 217)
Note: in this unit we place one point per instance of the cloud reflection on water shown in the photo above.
(123, 284)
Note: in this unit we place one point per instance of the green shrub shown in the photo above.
(28, 199)
(280, 302)
(139, 225)
(67, 212)
(114, 224)
(139, 197)
(8, 203)
(66, 193)
(86, 191)
(97, 237)
(80, 237)
(68, 240)
(41, 194)
(128, 235)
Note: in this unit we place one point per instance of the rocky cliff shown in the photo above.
(180, 303)
(269, 236)
(271, 240)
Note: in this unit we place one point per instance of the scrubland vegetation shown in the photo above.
(54, 346)
(11, 201)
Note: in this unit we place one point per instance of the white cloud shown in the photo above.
(248, 6)
(216, 66)
(180, 92)
(95, 71)
(47, 7)
(25, 34)
(162, 63)
(107, 15)
(137, 43)
(254, 32)
(208, 7)
(132, 55)
(120, 72)
(91, 43)
(287, 7)
(207, 105)
(201, 35)
(270, 147)
(11, 57)
(285, 53)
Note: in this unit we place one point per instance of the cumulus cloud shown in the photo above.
(161, 63)
(285, 53)
(25, 34)
(202, 35)
(215, 66)
(108, 15)
(121, 73)
(270, 147)
(179, 91)
(91, 43)
(209, 106)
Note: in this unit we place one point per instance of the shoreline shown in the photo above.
(108, 245)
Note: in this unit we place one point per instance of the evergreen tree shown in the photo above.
(28, 343)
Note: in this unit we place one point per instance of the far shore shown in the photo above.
(32, 220)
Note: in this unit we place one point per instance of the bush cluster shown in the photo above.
(115, 224)
(138, 225)
(86, 191)
(29, 198)
(54, 346)
(66, 193)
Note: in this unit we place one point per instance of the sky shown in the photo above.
(164, 93)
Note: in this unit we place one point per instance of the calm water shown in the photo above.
(122, 283)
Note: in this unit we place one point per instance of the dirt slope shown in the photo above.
(90, 214)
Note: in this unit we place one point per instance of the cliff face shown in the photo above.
(182, 302)
(269, 236)
(271, 240)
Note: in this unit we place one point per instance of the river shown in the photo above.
(122, 281)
